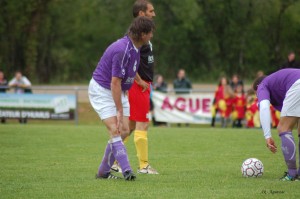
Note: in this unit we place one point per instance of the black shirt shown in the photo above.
(290, 64)
(146, 63)
(3, 85)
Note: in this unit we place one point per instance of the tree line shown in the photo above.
(58, 41)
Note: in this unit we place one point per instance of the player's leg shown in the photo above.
(299, 147)
(108, 157)
(139, 122)
(141, 143)
(285, 127)
(115, 148)
(102, 101)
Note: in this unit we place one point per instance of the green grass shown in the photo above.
(60, 161)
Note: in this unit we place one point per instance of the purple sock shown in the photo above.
(120, 154)
(107, 161)
(289, 152)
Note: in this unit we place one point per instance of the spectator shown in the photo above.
(235, 81)
(226, 108)
(219, 95)
(20, 83)
(182, 84)
(260, 73)
(3, 82)
(161, 86)
(3, 85)
(252, 113)
(291, 62)
(239, 104)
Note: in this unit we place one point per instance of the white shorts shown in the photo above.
(103, 103)
(291, 102)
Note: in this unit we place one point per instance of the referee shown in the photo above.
(139, 94)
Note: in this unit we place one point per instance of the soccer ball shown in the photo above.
(252, 167)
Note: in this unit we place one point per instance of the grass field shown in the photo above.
(60, 161)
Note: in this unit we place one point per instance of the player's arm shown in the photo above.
(116, 91)
(265, 120)
(141, 82)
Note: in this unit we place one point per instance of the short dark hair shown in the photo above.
(257, 81)
(140, 25)
(140, 5)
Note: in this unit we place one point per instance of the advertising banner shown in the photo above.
(37, 106)
(185, 108)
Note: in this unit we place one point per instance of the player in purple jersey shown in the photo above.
(108, 88)
(282, 90)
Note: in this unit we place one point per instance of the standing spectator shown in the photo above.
(252, 113)
(291, 61)
(226, 106)
(161, 86)
(239, 104)
(260, 73)
(182, 84)
(219, 94)
(3, 85)
(20, 83)
(3, 82)
(235, 82)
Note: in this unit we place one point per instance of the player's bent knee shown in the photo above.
(283, 128)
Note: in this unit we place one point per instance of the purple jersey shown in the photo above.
(275, 86)
(121, 59)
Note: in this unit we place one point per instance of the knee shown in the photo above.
(282, 128)
(125, 132)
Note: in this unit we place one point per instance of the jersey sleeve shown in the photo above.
(263, 92)
(118, 62)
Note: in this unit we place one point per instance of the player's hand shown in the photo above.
(119, 121)
(271, 145)
(143, 84)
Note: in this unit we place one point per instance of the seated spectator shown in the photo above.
(20, 83)
(3, 82)
(182, 84)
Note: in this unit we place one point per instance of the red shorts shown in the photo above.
(139, 103)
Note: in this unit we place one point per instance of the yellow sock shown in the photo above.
(141, 145)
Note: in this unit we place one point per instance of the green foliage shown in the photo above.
(60, 161)
(63, 40)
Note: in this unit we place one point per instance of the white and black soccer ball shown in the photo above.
(252, 167)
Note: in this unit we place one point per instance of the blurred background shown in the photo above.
(61, 41)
